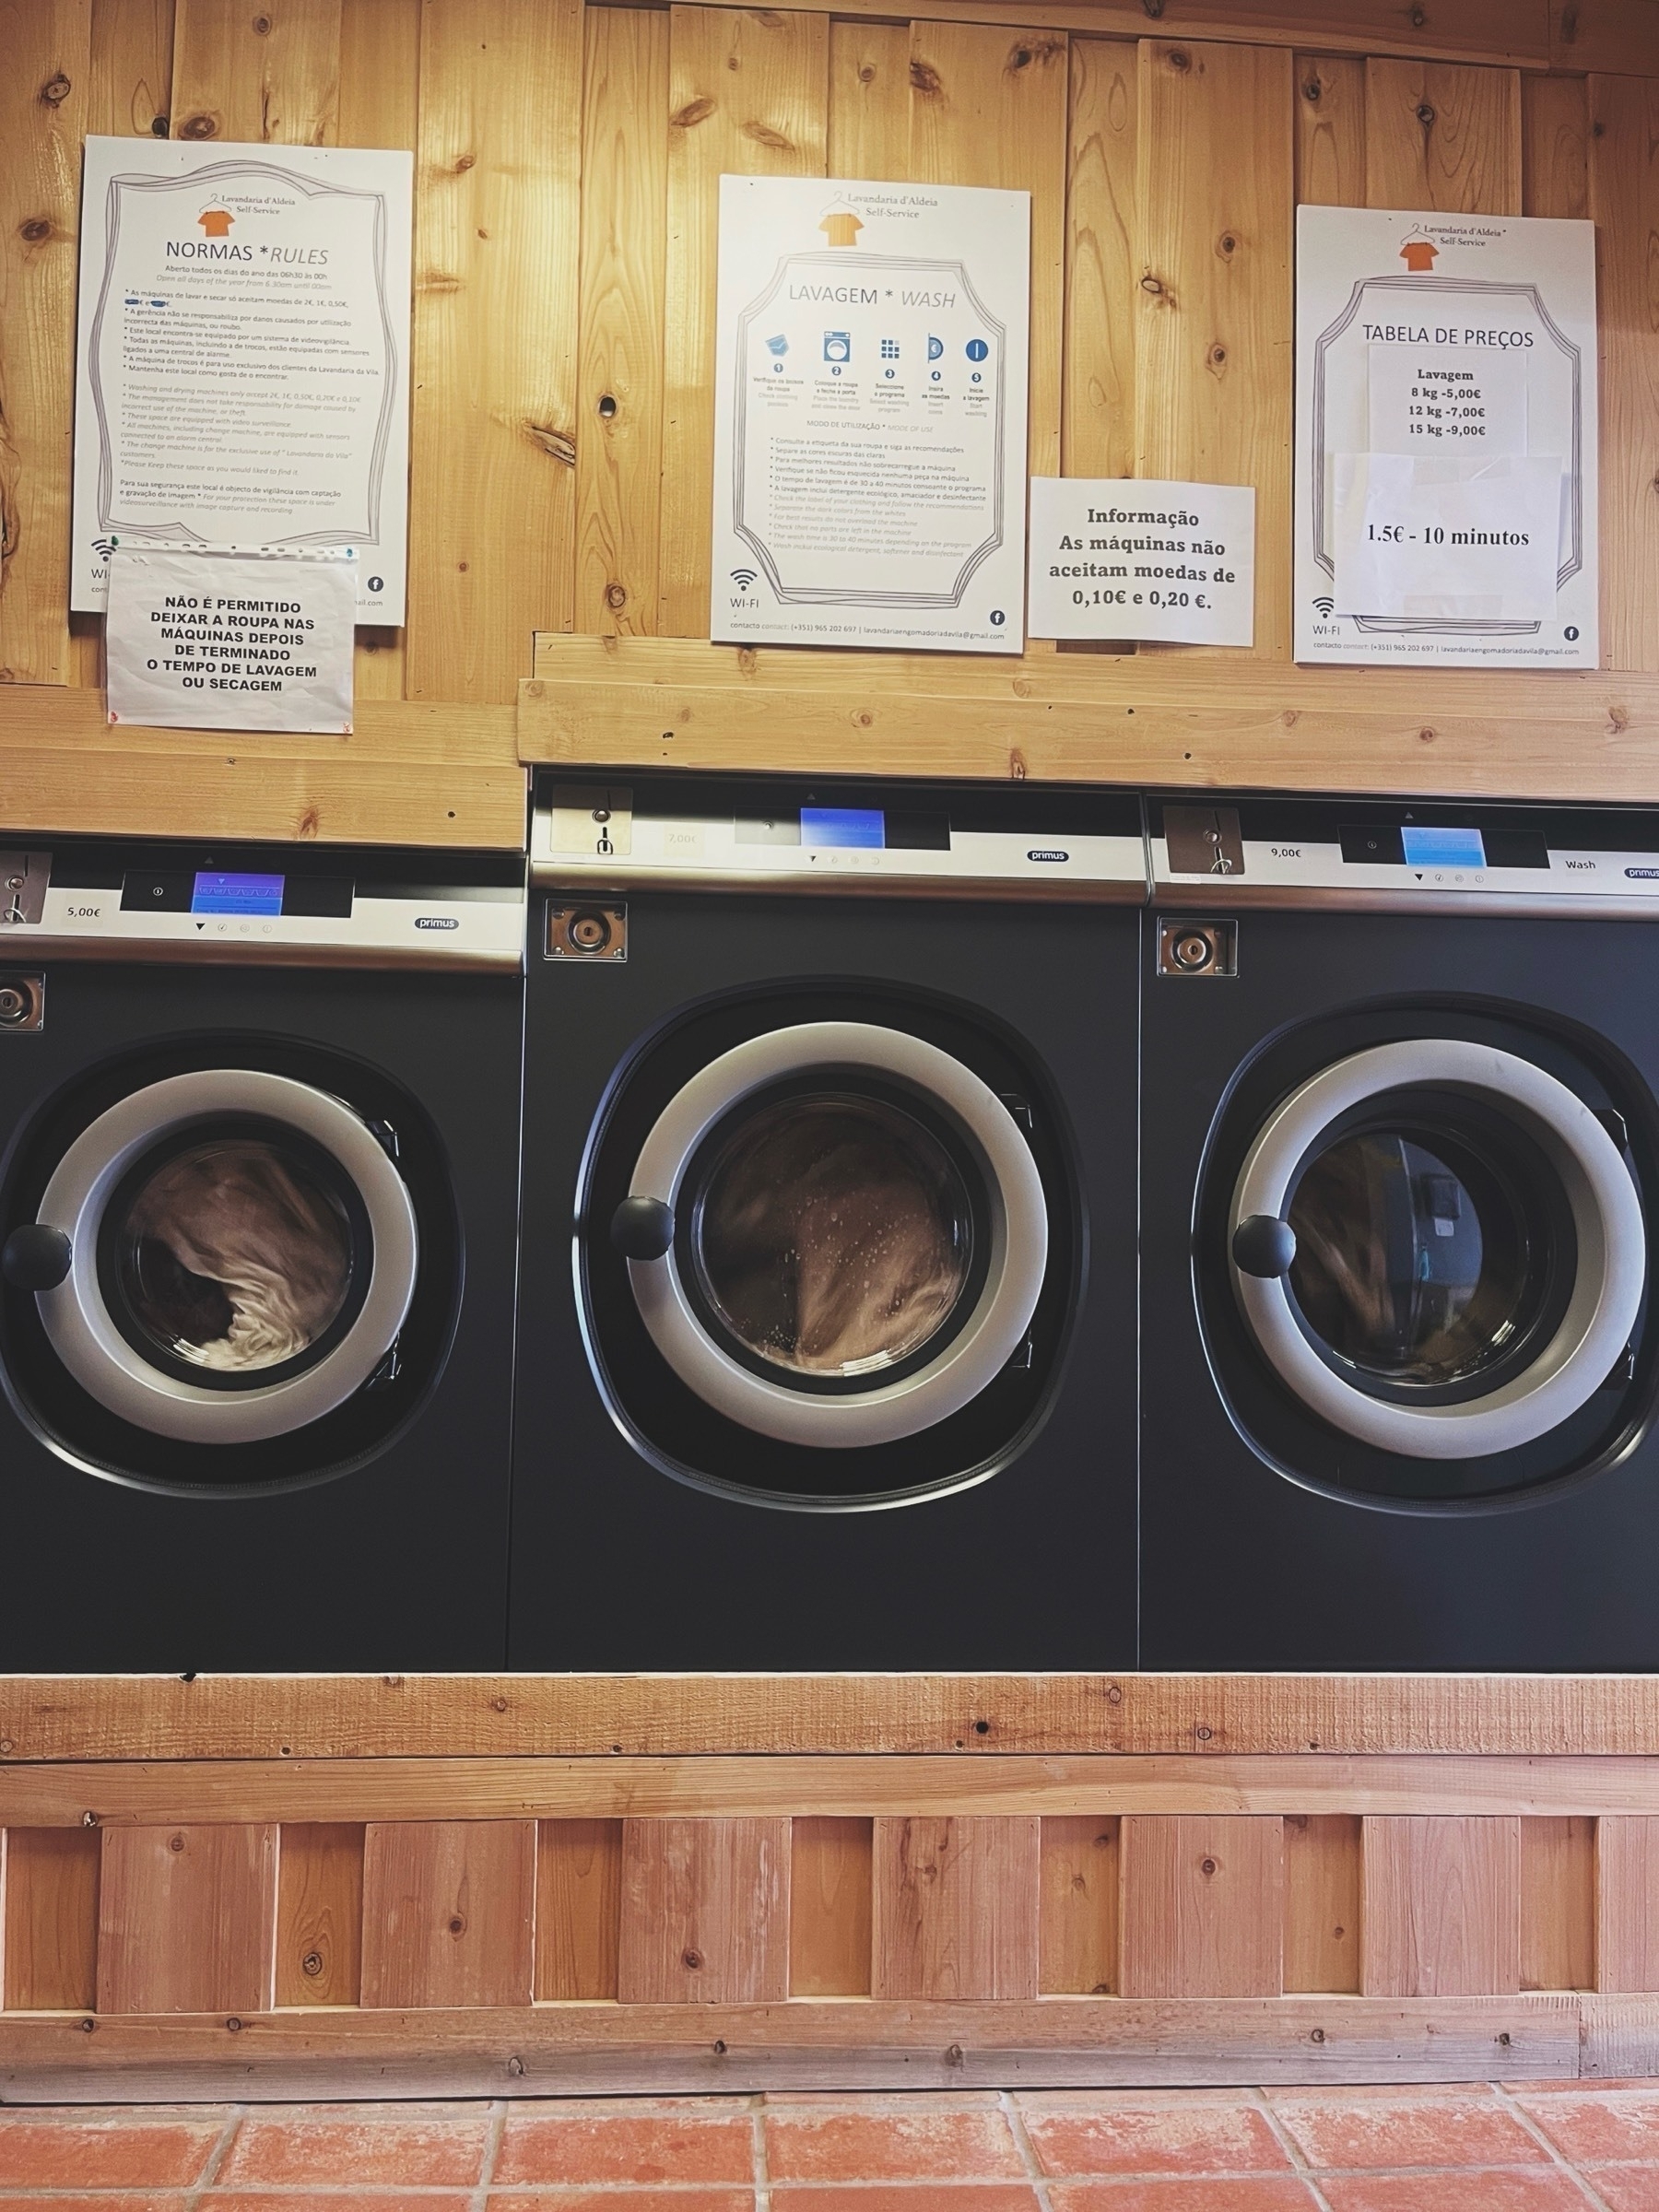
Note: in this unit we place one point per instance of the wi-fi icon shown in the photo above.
(1325, 606)
(743, 578)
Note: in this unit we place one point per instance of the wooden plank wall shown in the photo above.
(982, 1916)
(567, 159)
(468, 1885)
(1165, 173)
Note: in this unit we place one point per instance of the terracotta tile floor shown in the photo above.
(1524, 2148)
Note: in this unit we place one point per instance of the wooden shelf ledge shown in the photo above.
(1158, 719)
(411, 773)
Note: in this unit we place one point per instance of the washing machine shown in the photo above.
(1401, 1164)
(259, 1112)
(826, 1309)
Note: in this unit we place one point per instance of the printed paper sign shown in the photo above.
(1447, 535)
(870, 415)
(1447, 383)
(242, 357)
(231, 640)
(1129, 558)
(1433, 399)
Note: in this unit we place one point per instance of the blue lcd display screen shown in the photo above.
(217, 892)
(844, 827)
(1442, 848)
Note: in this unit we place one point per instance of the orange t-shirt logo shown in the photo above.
(215, 222)
(842, 228)
(1418, 254)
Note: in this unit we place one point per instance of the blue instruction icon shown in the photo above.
(977, 350)
(838, 346)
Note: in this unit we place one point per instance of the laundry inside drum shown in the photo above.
(1415, 1260)
(234, 1256)
(834, 1235)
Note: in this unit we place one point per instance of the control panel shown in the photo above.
(1437, 858)
(375, 908)
(895, 841)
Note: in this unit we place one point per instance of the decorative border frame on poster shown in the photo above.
(1534, 276)
(121, 175)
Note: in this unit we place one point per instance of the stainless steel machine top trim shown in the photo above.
(783, 835)
(129, 900)
(1437, 858)
(890, 840)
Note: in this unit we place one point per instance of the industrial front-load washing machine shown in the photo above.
(826, 1311)
(258, 1199)
(1400, 1164)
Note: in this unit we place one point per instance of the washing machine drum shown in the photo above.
(221, 1257)
(1438, 1249)
(835, 1234)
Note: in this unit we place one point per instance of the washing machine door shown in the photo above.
(1438, 1248)
(223, 1256)
(835, 1234)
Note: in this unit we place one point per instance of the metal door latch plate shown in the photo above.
(593, 930)
(22, 1003)
(1197, 948)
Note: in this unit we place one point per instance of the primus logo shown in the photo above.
(436, 921)
(1041, 854)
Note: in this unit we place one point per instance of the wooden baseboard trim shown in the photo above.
(57, 1718)
(566, 2050)
(853, 1787)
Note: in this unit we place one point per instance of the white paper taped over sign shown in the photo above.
(231, 640)
(1448, 538)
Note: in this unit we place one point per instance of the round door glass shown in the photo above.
(833, 1236)
(232, 1256)
(1418, 1263)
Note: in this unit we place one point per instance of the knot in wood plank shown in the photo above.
(57, 89)
(199, 126)
(924, 79)
(35, 230)
(764, 135)
(1045, 47)
(560, 444)
(693, 112)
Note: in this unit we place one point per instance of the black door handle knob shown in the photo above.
(36, 1257)
(642, 1229)
(1264, 1245)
